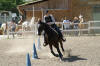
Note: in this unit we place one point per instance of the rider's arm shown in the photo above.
(53, 20)
(44, 19)
(49, 23)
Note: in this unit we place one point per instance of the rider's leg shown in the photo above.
(58, 30)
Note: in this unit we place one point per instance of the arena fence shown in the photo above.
(22, 33)
(94, 27)
(85, 28)
(80, 29)
(5, 19)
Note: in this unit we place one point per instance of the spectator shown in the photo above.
(76, 21)
(81, 21)
(13, 26)
(81, 18)
(71, 24)
(66, 23)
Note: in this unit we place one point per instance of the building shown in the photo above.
(90, 9)
(5, 16)
(59, 8)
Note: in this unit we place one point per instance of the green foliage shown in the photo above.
(11, 5)
(7, 6)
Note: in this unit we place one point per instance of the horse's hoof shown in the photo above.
(45, 44)
(56, 55)
(61, 59)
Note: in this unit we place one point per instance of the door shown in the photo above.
(96, 17)
(96, 13)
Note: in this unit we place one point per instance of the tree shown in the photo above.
(11, 5)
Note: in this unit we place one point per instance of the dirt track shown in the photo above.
(84, 52)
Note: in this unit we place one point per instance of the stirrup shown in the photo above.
(45, 44)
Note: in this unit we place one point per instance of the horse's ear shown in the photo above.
(39, 21)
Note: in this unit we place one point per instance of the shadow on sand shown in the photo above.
(73, 58)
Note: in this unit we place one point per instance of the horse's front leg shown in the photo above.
(61, 44)
(45, 40)
(56, 55)
(58, 50)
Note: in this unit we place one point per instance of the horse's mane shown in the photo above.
(49, 28)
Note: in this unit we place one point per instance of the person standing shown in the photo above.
(66, 23)
(76, 23)
(13, 26)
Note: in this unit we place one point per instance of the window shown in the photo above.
(83, 0)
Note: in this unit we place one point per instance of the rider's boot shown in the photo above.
(61, 36)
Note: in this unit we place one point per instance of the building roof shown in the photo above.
(33, 2)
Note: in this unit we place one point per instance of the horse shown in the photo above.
(53, 38)
(29, 25)
(25, 26)
(4, 28)
(7, 27)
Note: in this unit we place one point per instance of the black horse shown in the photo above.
(53, 38)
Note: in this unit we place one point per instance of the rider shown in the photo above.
(49, 19)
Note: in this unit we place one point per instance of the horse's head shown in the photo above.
(41, 27)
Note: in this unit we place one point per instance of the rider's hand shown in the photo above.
(50, 23)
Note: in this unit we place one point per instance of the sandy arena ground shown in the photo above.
(85, 51)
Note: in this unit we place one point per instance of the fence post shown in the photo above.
(79, 31)
(8, 32)
(22, 32)
(89, 27)
(35, 29)
(62, 26)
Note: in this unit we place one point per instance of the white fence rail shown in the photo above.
(5, 18)
(84, 28)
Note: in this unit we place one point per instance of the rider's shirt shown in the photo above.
(49, 19)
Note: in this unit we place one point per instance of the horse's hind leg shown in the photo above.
(52, 51)
(61, 44)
